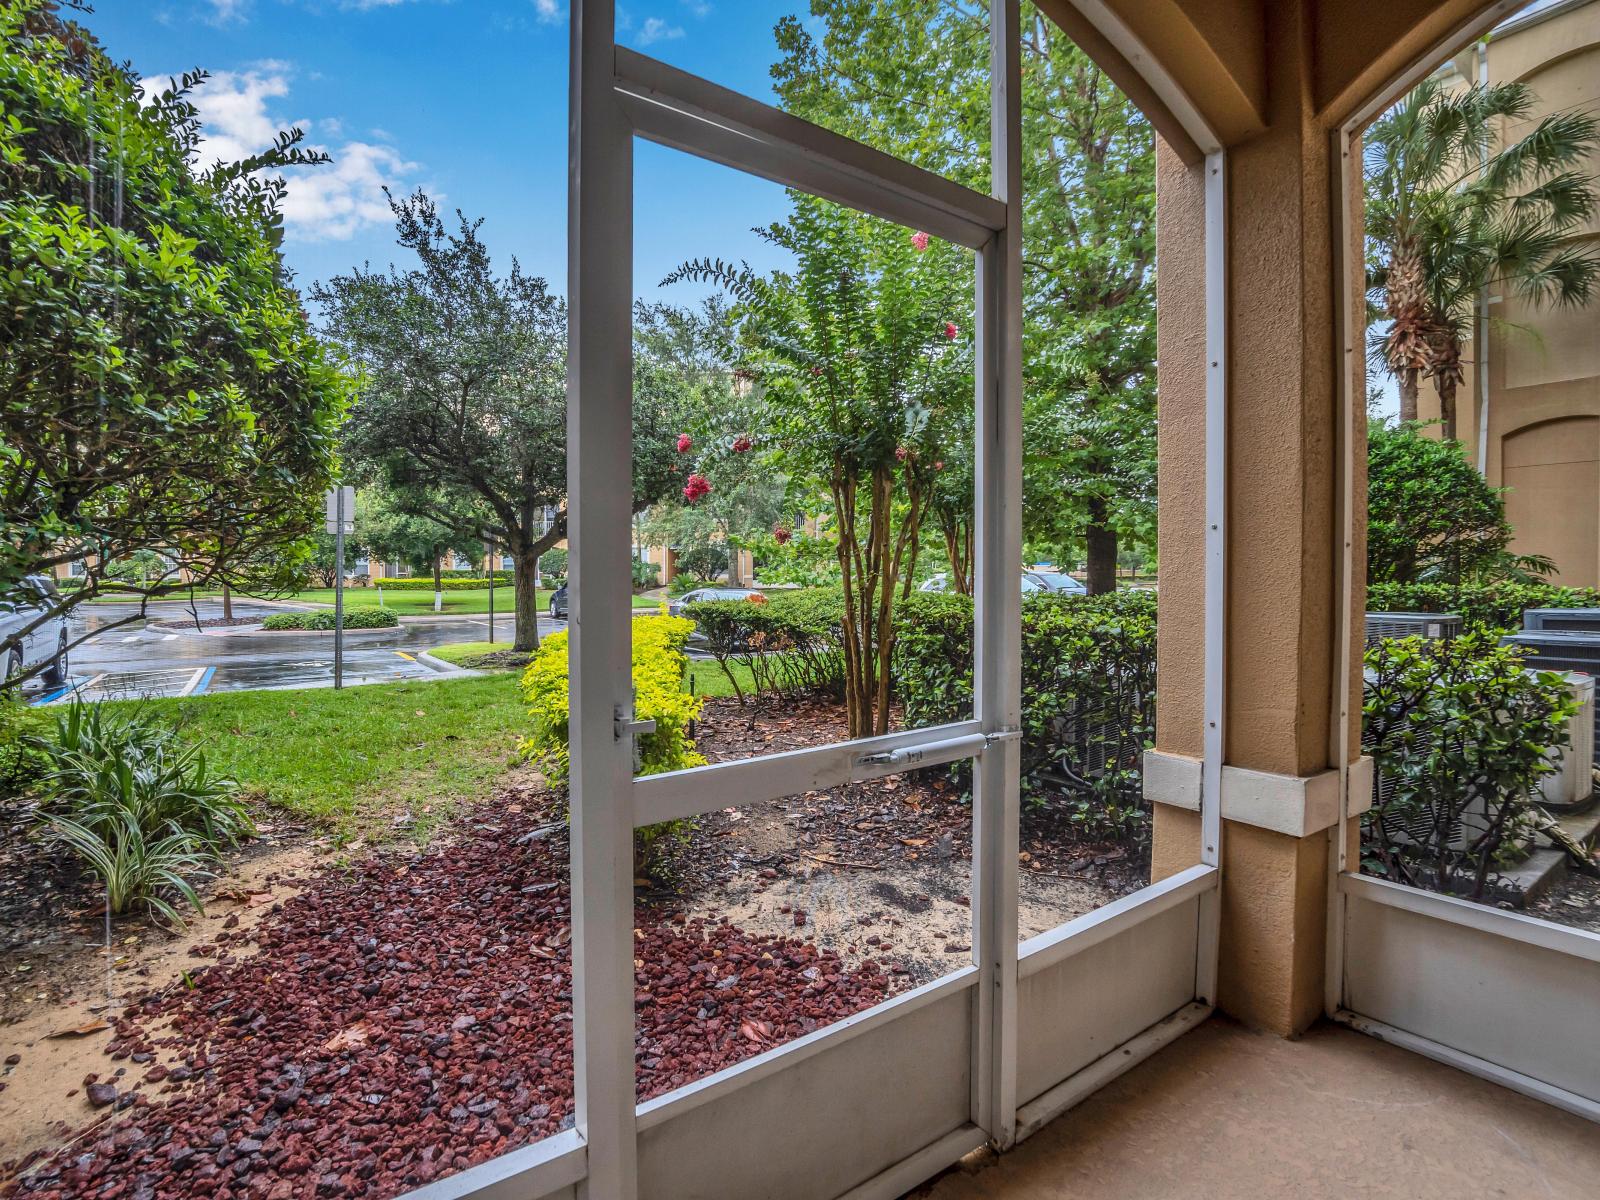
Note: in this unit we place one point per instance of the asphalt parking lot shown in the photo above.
(141, 660)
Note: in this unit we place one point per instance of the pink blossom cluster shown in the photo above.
(697, 488)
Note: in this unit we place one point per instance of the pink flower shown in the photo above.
(950, 330)
(684, 442)
(901, 453)
(741, 444)
(816, 370)
(697, 488)
(781, 534)
(938, 465)
(920, 241)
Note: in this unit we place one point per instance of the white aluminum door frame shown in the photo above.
(617, 95)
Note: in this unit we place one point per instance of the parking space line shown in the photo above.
(171, 637)
(198, 681)
(405, 656)
(82, 685)
(132, 637)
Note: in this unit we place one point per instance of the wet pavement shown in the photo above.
(142, 660)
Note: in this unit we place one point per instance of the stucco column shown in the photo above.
(1281, 790)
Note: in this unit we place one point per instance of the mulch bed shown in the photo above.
(409, 1017)
(911, 817)
(204, 622)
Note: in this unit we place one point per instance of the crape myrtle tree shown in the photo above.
(855, 360)
(1448, 216)
(461, 408)
(1088, 198)
(160, 386)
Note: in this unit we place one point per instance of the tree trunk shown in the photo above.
(1101, 545)
(227, 603)
(1408, 394)
(527, 601)
(1445, 385)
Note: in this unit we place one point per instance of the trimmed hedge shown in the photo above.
(1483, 605)
(424, 583)
(789, 642)
(1088, 694)
(323, 619)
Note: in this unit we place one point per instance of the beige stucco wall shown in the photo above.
(1542, 365)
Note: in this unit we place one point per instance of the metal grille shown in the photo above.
(1563, 650)
(1409, 624)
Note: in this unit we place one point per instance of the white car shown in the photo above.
(46, 644)
(1032, 581)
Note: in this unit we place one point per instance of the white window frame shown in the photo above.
(616, 96)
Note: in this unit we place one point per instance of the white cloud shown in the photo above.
(225, 12)
(656, 30)
(328, 203)
(700, 9)
(549, 12)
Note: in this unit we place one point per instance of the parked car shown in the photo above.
(47, 644)
(1032, 581)
(1055, 581)
(676, 607)
(558, 603)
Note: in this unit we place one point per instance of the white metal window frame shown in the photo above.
(1448, 948)
(617, 95)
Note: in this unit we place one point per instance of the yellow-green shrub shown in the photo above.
(658, 670)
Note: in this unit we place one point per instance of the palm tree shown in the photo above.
(1446, 216)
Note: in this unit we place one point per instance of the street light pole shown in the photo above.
(491, 593)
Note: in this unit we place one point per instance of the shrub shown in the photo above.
(705, 561)
(659, 664)
(1088, 694)
(1430, 516)
(137, 806)
(323, 619)
(789, 643)
(553, 563)
(645, 575)
(424, 583)
(21, 761)
(1463, 732)
(1483, 605)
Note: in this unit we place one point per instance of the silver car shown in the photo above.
(47, 644)
(677, 606)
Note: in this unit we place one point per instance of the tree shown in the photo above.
(462, 404)
(1088, 162)
(1430, 515)
(854, 362)
(161, 389)
(1446, 218)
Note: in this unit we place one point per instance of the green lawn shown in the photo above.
(355, 760)
(410, 603)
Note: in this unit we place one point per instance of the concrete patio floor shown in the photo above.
(1227, 1112)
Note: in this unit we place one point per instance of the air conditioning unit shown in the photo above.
(1412, 624)
(1572, 784)
(1553, 620)
(1563, 650)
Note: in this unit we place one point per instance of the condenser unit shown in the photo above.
(1558, 620)
(1571, 785)
(1563, 650)
(1433, 626)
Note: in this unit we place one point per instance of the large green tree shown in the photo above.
(160, 385)
(854, 360)
(461, 411)
(911, 77)
(1448, 215)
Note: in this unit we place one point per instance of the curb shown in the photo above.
(443, 667)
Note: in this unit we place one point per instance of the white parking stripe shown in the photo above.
(132, 637)
(193, 681)
(171, 637)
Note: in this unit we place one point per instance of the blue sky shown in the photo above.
(466, 98)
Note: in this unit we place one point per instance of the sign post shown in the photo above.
(492, 565)
(341, 516)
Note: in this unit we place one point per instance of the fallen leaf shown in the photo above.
(83, 1030)
(352, 1037)
(257, 899)
(913, 841)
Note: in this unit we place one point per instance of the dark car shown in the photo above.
(558, 603)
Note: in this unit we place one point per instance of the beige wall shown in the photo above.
(1542, 365)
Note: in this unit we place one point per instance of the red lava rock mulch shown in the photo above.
(403, 1019)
